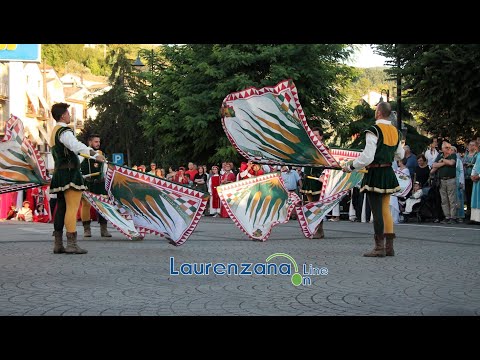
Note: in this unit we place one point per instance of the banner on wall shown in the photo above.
(20, 52)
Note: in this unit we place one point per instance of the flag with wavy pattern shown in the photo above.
(21, 165)
(259, 203)
(156, 205)
(268, 126)
(110, 211)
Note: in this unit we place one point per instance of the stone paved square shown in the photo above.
(435, 272)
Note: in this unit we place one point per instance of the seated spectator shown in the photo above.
(415, 198)
(25, 213)
(12, 213)
(40, 214)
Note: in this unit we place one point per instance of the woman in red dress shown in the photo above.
(213, 182)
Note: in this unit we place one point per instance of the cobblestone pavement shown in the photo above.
(435, 272)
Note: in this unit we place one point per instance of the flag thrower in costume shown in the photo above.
(118, 217)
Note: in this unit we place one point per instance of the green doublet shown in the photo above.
(95, 184)
(66, 174)
(382, 179)
(311, 186)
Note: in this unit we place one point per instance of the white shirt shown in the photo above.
(70, 141)
(368, 154)
(27, 212)
(431, 156)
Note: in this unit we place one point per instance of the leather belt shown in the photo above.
(377, 165)
(447, 177)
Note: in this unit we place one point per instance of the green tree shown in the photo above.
(441, 81)
(118, 116)
(192, 80)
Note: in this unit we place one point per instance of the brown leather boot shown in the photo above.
(72, 247)
(379, 249)
(58, 244)
(319, 234)
(103, 231)
(389, 244)
(87, 231)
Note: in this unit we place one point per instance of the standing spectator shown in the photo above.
(180, 176)
(67, 179)
(213, 182)
(171, 173)
(475, 205)
(192, 170)
(460, 184)
(190, 181)
(468, 162)
(205, 171)
(227, 177)
(411, 160)
(153, 168)
(422, 171)
(160, 173)
(245, 170)
(445, 164)
(432, 152)
(200, 180)
(291, 179)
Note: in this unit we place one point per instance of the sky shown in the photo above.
(366, 58)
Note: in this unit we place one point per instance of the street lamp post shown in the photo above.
(139, 64)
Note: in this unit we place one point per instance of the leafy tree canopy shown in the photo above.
(186, 95)
(442, 83)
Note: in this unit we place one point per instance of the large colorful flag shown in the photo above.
(268, 126)
(21, 165)
(257, 204)
(156, 205)
(110, 211)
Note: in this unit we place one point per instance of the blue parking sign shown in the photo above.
(117, 159)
